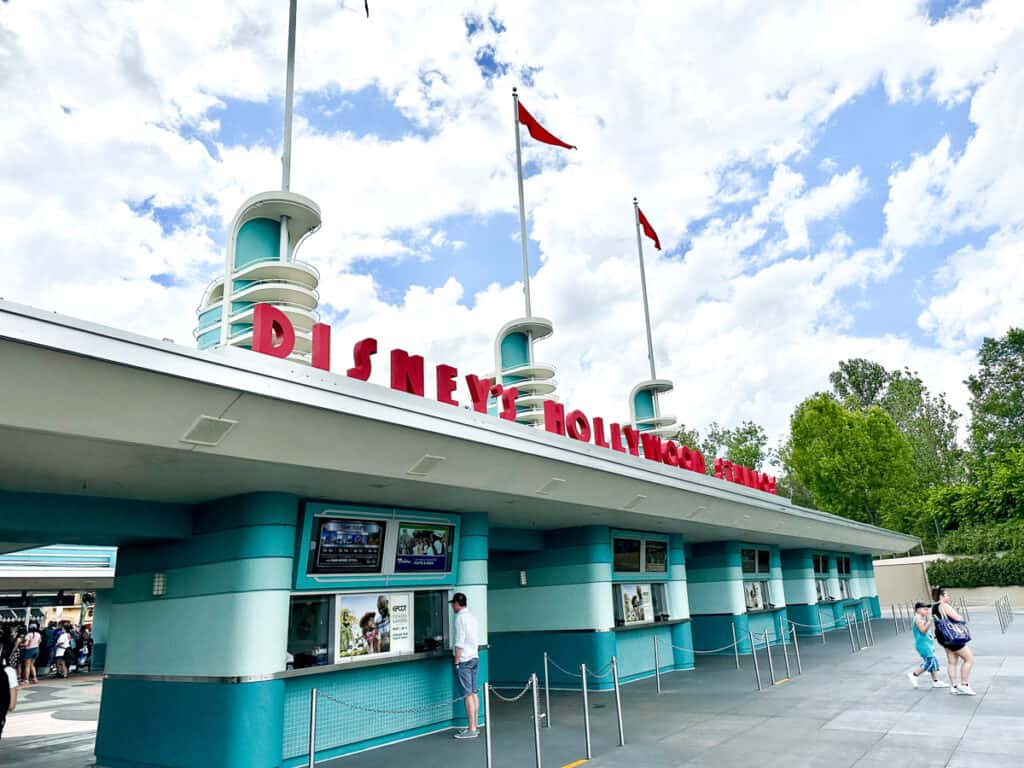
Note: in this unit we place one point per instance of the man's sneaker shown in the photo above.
(465, 733)
(939, 684)
(912, 678)
(966, 690)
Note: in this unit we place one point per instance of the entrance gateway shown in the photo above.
(281, 527)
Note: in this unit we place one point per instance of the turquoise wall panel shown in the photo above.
(515, 350)
(807, 618)
(514, 656)
(257, 240)
(643, 404)
(342, 718)
(185, 724)
(682, 638)
(634, 649)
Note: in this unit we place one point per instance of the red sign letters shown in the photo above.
(273, 334)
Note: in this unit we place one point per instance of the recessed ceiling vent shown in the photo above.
(550, 486)
(424, 466)
(208, 431)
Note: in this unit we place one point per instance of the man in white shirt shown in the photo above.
(467, 634)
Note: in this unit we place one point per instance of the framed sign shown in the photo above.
(424, 548)
(346, 545)
(372, 623)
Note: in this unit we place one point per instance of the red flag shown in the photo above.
(538, 131)
(648, 229)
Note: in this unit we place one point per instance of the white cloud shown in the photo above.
(666, 101)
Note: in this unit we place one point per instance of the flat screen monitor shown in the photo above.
(424, 548)
(345, 545)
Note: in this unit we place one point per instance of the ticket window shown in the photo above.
(352, 626)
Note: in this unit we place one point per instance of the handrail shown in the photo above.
(280, 281)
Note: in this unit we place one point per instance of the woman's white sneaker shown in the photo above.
(955, 689)
(966, 690)
(939, 684)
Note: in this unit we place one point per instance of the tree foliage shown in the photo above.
(997, 397)
(855, 463)
(745, 444)
(983, 539)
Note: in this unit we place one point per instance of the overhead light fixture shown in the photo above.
(208, 431)
(424, 466)
(635, 502)
(522, 578)
(551, 485)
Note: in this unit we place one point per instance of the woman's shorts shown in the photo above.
(30, 654)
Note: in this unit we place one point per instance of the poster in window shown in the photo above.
(656, 556)
(347, 546)
(373, 623)
(756, 594)
(637, 603)
(424, 548)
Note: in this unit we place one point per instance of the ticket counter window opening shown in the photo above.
(640, 604)
(821, 579)
(756, 591)
(349, 627)
(843, 566)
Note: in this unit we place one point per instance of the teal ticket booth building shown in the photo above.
(282, 527)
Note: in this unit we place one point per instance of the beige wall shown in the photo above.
(903, 580)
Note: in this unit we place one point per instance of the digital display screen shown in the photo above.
(424, 548)
(348, 546)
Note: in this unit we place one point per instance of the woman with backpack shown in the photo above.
(951, 633)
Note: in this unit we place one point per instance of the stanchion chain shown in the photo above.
(515, 698)
(603, 673)
(712, 650)
(561, 669)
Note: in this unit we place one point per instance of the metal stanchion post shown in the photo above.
(849, 626)
(536, 717)
(999, 615)
(894, 622)
(796, 647)
(618, 701)
(586, 710)
(823, 641)
(312, 727)
(657, 666)
(547, 694)
(858, 625)
(871, 627)
(909, 623)
(488, 722)
(768, 649)
(753, 655)
(785, 653)
(864, 626)
(735, 645)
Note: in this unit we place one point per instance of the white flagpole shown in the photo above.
(522, 206)
(643, 286)
(289, 95)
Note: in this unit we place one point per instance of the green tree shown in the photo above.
(745, 444)
(859, 383)
(997, 397)
(856, 464)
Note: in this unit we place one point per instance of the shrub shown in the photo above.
(981, 539)
(987, 570)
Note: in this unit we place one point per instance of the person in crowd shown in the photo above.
(383, 622)
(61, 646)
(45, 660)
(29, 654)
(8, 690)
(467, 634)
(925, 648)
(370, 634)
(959, 658)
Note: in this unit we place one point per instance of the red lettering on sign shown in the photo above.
(270, 324)
(361, 354)
(652, 446)
(321, 346)
(670, 453)
(554, 417)
(508, 404)
(632, 440)
(599, 432)
(478, 392)
(617, 438)
(406, 372)
(578, 426)
(446, 383)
